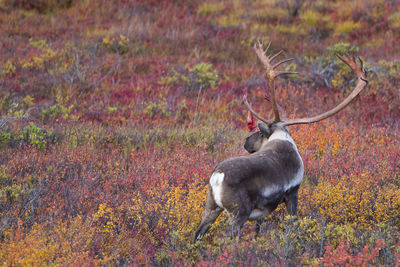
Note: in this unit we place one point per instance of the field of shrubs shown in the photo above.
(113, 115)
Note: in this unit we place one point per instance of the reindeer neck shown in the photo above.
(278, 134)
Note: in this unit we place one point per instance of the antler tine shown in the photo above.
(361, 65)
(272, 73)
(258, 116)
(274, 56)
(260, 43)
(283, 61)
(362, 68)
(351, 62)
(262, 55)
(266, 49)
(286, 72)
(362, 82)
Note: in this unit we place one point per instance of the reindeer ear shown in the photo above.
(264, 129)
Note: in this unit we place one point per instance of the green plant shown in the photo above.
(341, 48)
(152, 109)
(59, 109)
(34, 135)
(117, 44)
(202, 75)
(390, 70)
(330, 68)
(3, 176)
(198, 77)
(5, 137)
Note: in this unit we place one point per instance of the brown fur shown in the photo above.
(272, 166)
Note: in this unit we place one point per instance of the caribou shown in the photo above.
(251, 187)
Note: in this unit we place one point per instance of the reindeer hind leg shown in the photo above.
(211, 213)
(241, 209)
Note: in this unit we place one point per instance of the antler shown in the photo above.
(272, 73)
(362, 82)
(258, 116)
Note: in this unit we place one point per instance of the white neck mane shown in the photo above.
(280, 135)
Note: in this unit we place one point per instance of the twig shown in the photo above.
(4, 120)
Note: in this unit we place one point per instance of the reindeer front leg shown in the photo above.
(258, 226)
(291, 201)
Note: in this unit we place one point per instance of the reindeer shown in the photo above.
(251, 187)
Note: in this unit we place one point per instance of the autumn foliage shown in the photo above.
(113, 114)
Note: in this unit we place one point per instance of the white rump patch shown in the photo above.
(216, 184)
(217, 178)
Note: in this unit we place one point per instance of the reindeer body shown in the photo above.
(251, 187)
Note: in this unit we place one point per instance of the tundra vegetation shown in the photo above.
(114, 114)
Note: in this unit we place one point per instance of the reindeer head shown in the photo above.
(253, 143)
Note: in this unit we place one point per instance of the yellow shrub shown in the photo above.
(336, 234)
(230, 20)
(184, 208)
(105, 217)
(344, 202)
(387, 207)
(394, 20)
(65, 242)
(311, 18)
(347, 27)
(9, 68)
(210, 8)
